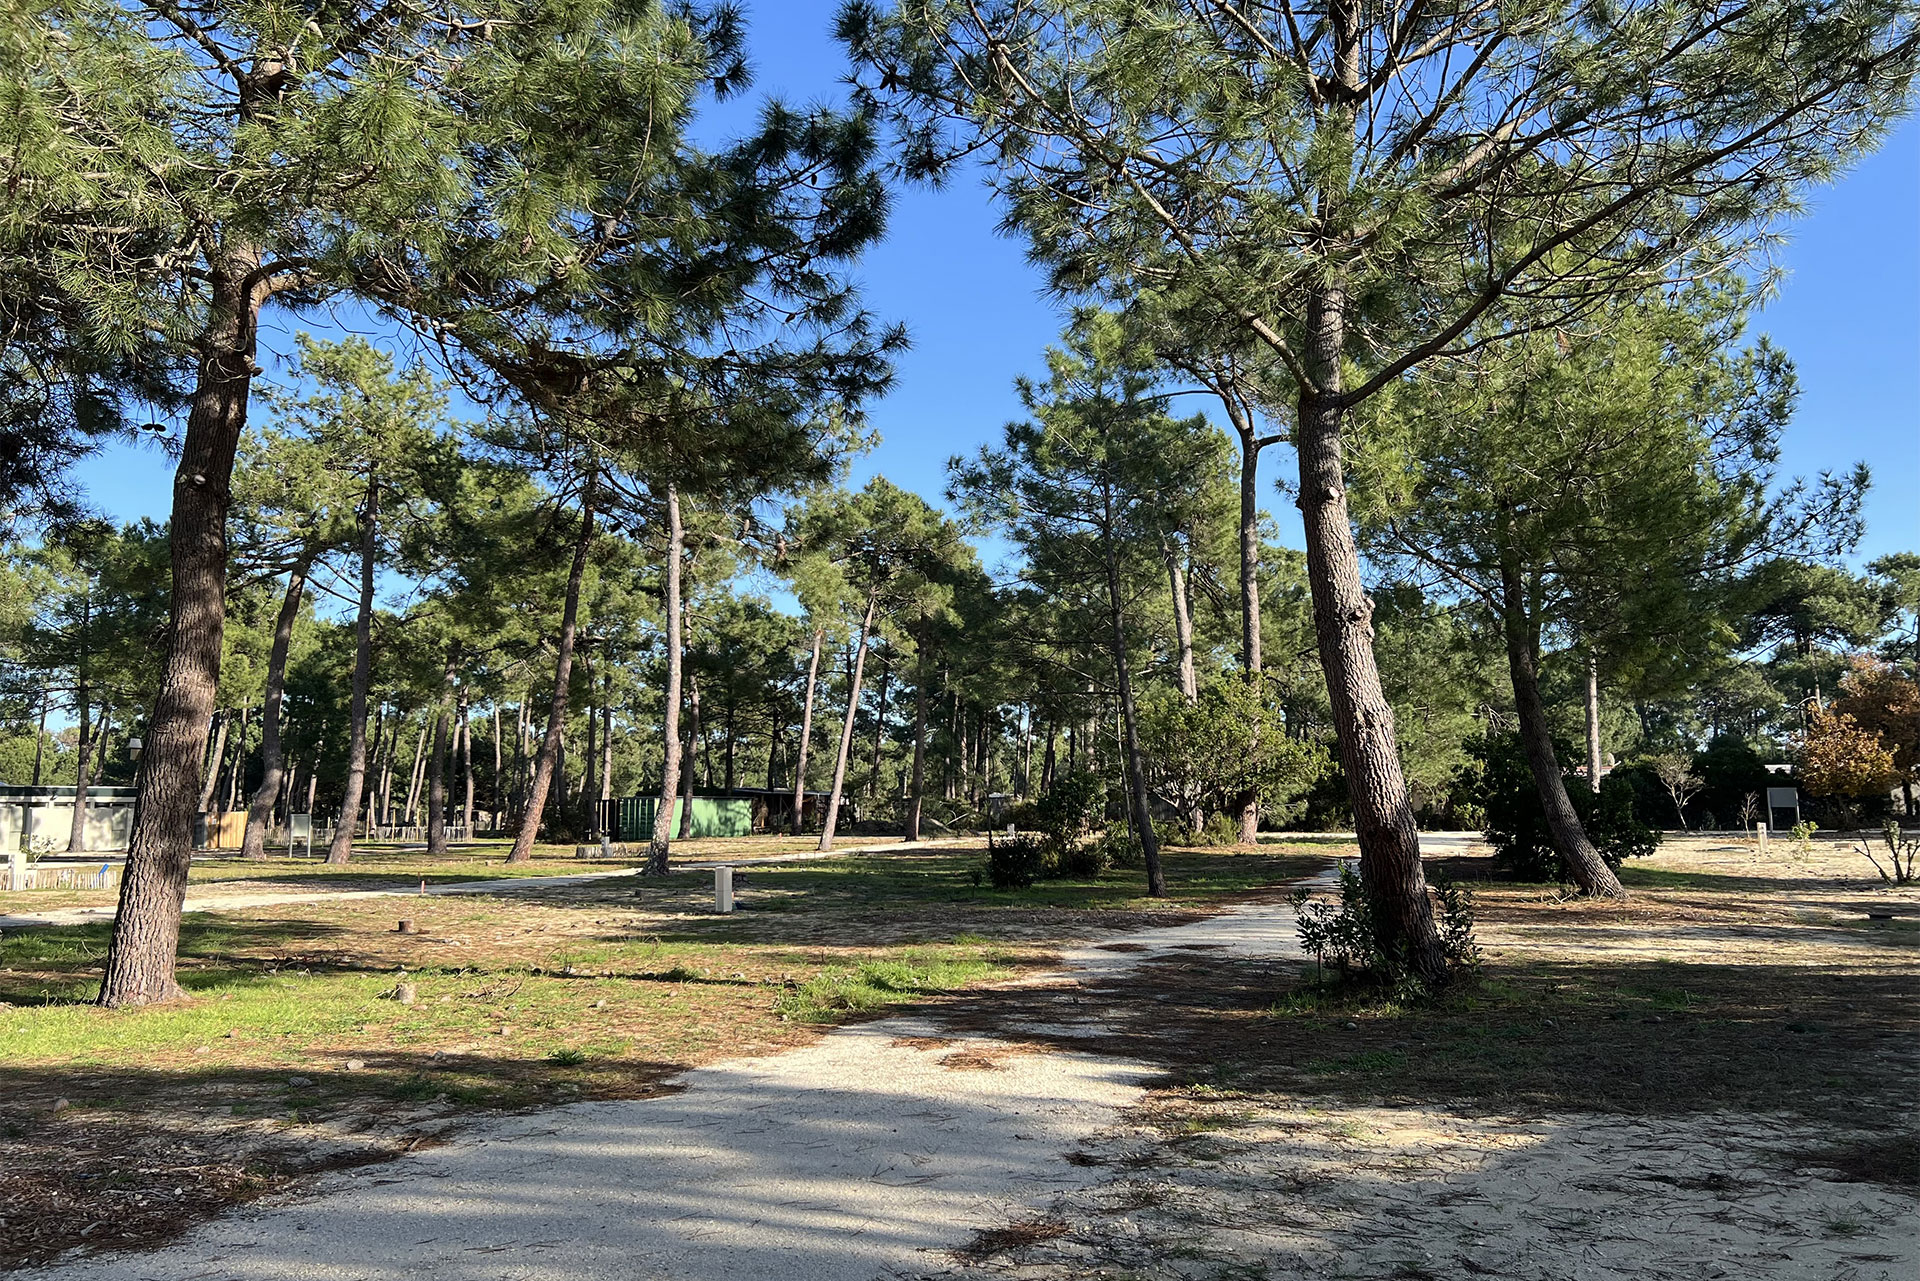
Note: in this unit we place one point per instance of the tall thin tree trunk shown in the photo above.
(694, 754)
(846, 730)
(590, 771)
(1182, 622)
(146, 930)
(417, 773)
(386, 741)
(356, 782)
(466, 765)
(499, 779)
(879, 726)
(1343, 623)
(236, 773)
(1593, 721)
(437, 762)
(272, 760)
(806, 735)
(919, 791)
(40, 737)
(562, 672)
(1584, 863)
(210, 770)
(1051, 760)
(83, 766)
(660, 847)
(1247, 803)
(606, 746)
(1123, 678)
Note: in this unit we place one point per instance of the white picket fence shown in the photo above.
(22, 875)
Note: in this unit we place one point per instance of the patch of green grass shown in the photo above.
(874, 985)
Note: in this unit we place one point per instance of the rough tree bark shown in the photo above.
(660, 847)
(806, 735)
(272, 758)
(846, 730)
(1343, 624)
(146, 931)
(522, 851)
(356, 781)
(1584, 863)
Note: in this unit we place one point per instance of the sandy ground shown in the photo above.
(214, 899)
(1021, 1141)
(1305, 1191)
(871, 1153)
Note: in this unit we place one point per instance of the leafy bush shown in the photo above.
(1067, 810)
(1516, 822)
(1220, 830)
(1015, 862)
(1342, 934)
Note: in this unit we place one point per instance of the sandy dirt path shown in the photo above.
(871, 1153)
(212, 900)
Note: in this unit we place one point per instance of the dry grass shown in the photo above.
(288, 1059)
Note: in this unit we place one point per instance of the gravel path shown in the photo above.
(874, 1152)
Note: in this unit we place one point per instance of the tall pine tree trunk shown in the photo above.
(1584, 863)
(1343, 624)
(146, 931)
(437, 762)
(210, 768)
(693, 756)
(660, 847)
(466, 765)
(846, 730)
(543, 771)
(272, 759)
(1123, 681)
(499, 779)
(879, 726)
(1593, 721)
(806, 735)
(1247, 803)
(919, 784)
(83, 766)
(342, 849)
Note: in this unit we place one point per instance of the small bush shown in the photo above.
(1220, 830)
(1067, 810)
(1015, 862)
(1342, 935)
(1516, 821)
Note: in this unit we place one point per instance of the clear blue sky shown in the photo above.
(1848, 313)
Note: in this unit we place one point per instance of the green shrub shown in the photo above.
(1220, 830)
(1516, 821)
(1015, 862)
(1065, 813)
(1342, 935)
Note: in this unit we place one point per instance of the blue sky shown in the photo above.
(1848, 313)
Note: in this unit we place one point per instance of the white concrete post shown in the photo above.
(17, 869)
(1761, 829)
(723, 888)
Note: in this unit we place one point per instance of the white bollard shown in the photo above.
(1761, 830)
(17, 870)
(723, 888)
